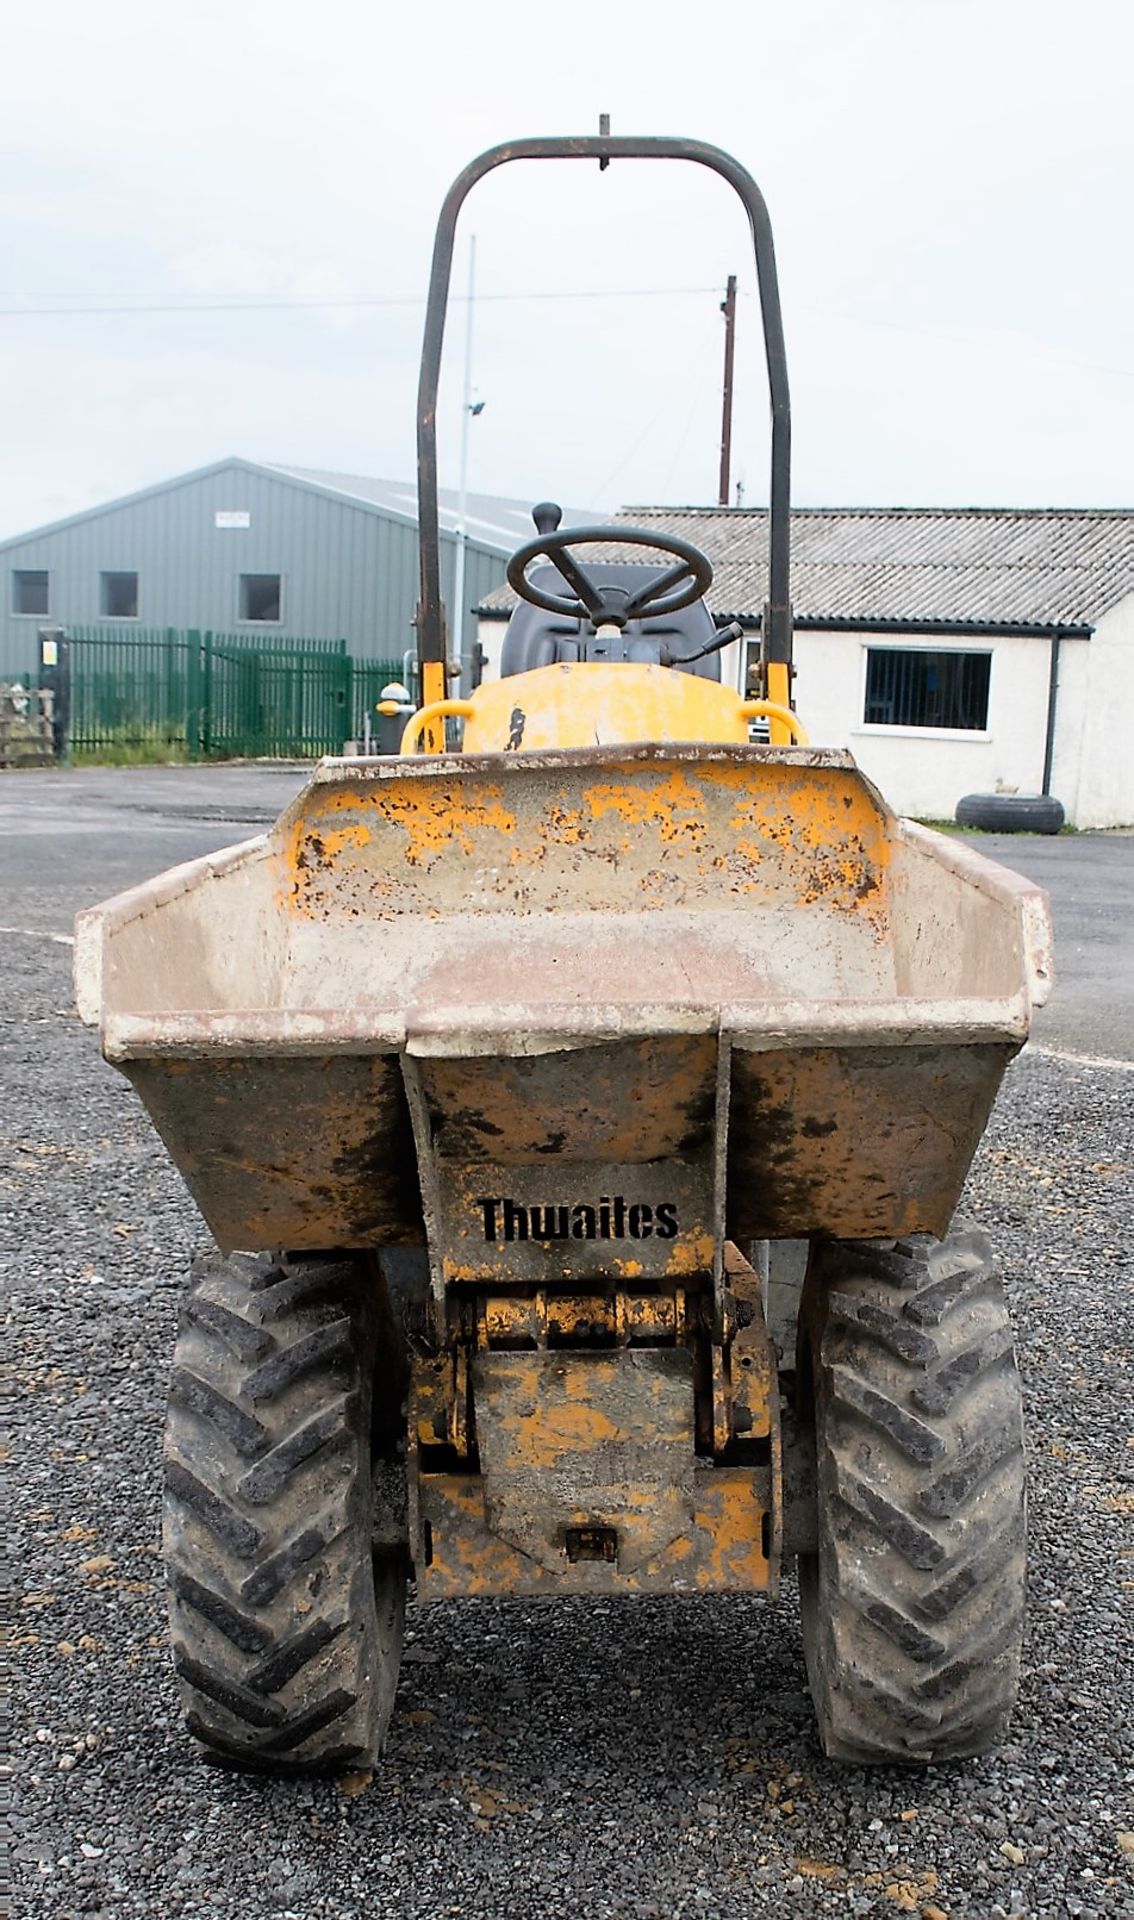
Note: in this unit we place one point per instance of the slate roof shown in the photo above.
(984, 566)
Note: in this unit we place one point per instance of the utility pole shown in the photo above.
(728, 308)
(467, 410)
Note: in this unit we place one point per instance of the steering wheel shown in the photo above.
(608, 604)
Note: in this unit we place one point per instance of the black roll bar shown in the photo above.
(605, 147)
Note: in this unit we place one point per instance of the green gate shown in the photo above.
(272, 702)
(132, 691)
(192, 695)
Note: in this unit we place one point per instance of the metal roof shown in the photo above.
(493, 523)
(490, 518)
(979, 566)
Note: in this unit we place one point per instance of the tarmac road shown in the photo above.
(647, 1760)
(1089, 878)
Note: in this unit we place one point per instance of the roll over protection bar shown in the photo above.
(604, 147)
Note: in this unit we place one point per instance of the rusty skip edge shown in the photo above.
(521, 1029)
(510, 1027)
(360, 772)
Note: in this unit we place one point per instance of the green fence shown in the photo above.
(200, 695)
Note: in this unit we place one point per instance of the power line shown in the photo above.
(279, 306)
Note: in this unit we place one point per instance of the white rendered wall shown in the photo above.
(1093, 771)
(490, 634)
(924, 770)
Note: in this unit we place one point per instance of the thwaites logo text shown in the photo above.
(613, 1217)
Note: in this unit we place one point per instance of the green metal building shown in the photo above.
(269, 553)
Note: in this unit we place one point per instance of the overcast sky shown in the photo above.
(950, 184)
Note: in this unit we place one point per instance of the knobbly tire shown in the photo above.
(286, 1626)
(913, 1602)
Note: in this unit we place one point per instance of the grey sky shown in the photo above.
(950, 187)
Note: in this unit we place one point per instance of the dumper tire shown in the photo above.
(286, 1626)
(913, 1600)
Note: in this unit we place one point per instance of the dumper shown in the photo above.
(506, 1075)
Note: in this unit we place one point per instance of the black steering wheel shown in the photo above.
(610, 604)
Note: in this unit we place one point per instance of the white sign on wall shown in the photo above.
(232, 517)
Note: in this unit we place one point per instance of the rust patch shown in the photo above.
(300, 1152)
(720, 1550)
(455, 813)
(571, 1440)
(628, 1101)
(671, 803)
(680, 829)
(544, 1318)
(408, 823)
(855, 1141)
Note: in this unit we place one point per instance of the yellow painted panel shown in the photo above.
(589, 703)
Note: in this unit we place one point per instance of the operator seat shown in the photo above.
(538, 639)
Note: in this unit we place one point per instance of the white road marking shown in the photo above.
(41, 933)
(1081, 1059)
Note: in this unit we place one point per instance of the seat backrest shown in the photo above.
(538, 639)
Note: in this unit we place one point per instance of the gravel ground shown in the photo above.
(649, 1759)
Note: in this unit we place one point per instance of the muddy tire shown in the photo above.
(286, 1629)
(913, 1602)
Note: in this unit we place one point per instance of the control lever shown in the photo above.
(723, 637)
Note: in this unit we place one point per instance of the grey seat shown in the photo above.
(538, 639)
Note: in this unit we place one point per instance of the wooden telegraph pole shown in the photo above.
(728, 308)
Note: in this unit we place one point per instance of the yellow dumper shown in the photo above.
(500, 1076)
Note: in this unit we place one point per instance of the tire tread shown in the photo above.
(913, 1603)
(285, 1647)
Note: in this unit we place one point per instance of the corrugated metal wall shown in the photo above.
(347, 571)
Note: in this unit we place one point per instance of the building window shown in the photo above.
(920, 688)
(118, 595)
(259, 596)
(29, 591)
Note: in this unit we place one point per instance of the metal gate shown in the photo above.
(263, 702)
(198, 695)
